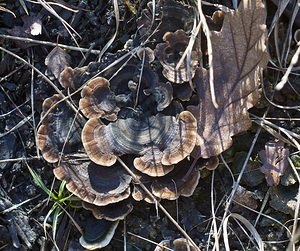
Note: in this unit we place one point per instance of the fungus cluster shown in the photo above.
(142, 109)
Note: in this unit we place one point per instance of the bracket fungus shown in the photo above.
(60, 131)
(111, 212)
(94, 184)
(160, 140)
(98, 100)
(170, 52)
(180, 244)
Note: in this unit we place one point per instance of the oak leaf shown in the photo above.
(239, 55)
(275, 161)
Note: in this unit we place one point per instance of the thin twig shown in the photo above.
(63, 46)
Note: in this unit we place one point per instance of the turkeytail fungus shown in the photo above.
(111, 212)
(98, 100)
(180, 244)
(94, 184)
(170, 52)
(60, 132)
(160, 140)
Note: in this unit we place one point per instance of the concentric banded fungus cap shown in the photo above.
(69, 77)
(75, 78)
(98, 100)
(160, 140)
(94, 184)
(180, 182)
(112, 212)
(58, 133)
(170, 52)
(98, 233)
(178, 245)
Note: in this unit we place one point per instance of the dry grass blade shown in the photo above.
(188, 50)
(236, 184)
(24, 6)
(285, 77)
(17, 126)
(214, 222)
(6, 10)
(68, 27)
(18, 205)
(145, 239)
(19, 159)
(67, 138)
(43, 75)
(140, 79)
(289, 34)
(117, 15)
(247, 224)
(16, 107)
(281, 7)
(62, 5)
(11, 111)
(295, 235)
(210, 54)
(287, 132)
(32, 108)
(63, 46)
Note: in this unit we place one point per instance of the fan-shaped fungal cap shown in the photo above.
(98, 100)
(160, 140)
(98, 234)
(297, 36)
(180, 182)
(178, 245)
(94, 184)
(149, 54)
(112, 212)
(69, 77)
(58, 132)
(170, 52)
(139, 194)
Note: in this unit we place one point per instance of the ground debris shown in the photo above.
(17, 223)
(275, 161)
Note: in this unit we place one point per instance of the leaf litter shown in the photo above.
(275, 161)
(239, 55)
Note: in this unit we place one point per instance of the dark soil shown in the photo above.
(24, 205)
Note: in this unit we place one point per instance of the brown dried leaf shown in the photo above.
(57, 60)
(244, 197)
(275, 161)
(239, 55)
